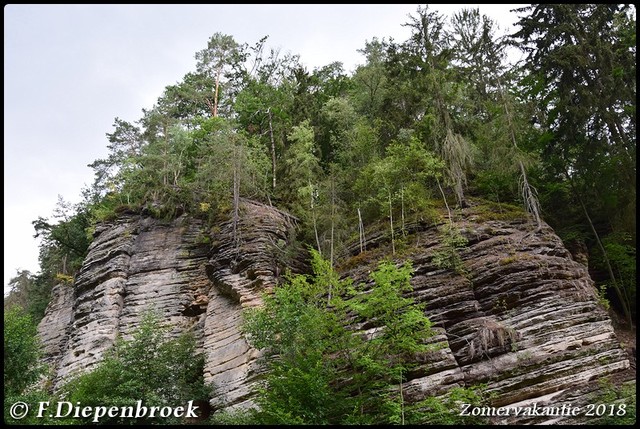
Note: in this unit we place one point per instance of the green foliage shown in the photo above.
(406, 176)
(446, 410)
(301, 167)
(402, 322)
(447, 257)
(320, 372)
(620, 403)
(106, 209)
(296, 333)
(30, 292)
(221, 54)
(65, 243)
(21, 352)
(580, 76)
(22, 367)
(622, 256)
(149, 367)
(249, 122)
(125, 142)
(602, 297)
(232, 418)
(63, 278)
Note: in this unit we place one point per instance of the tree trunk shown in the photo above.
(393, 244)
(401, 401)
(361, 231)
(531, 201)
(445, 201)
(404, 233)
(313, 217)
(215, 94)
(333, 214)
(273, 149)
(236, 199)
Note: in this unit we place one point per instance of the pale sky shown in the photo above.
(69, 70)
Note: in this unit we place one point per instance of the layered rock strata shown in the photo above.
(194, 278)
(516, 313)
(511, 309)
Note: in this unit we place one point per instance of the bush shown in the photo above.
(149, 367)
(319, 371)
(21, 364)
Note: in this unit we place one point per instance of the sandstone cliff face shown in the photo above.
(194, 278)
(518, 314)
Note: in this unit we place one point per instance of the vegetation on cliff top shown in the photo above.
(421, 124)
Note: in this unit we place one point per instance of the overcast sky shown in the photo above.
(69, 70)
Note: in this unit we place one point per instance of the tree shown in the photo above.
(29, 291)
(22, 366)
(191, 98)
(65, 243)
(125, 143)
(296, 334)
(263, 105)
(320, 371)
(581, 75)
(430, 51)
(337, 118)
(221, 51)
(229, 166)
(480, 62)
(401, 329)
(403, 178)
(370, 80)
(302, 173)
(21, 352)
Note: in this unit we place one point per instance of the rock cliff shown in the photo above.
(196, 279)
(515, 312)
(512, 308)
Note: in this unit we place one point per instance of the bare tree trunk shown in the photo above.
(361, 230)
(393, 244)
(530, 200)
(401, 401)
(236, 199)
(215, 94)
(210, 106)
(273, 149)
(178, 169)
(445, 201)
(404, 233)
(165, 155)
(333, 214)
(313, 217)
